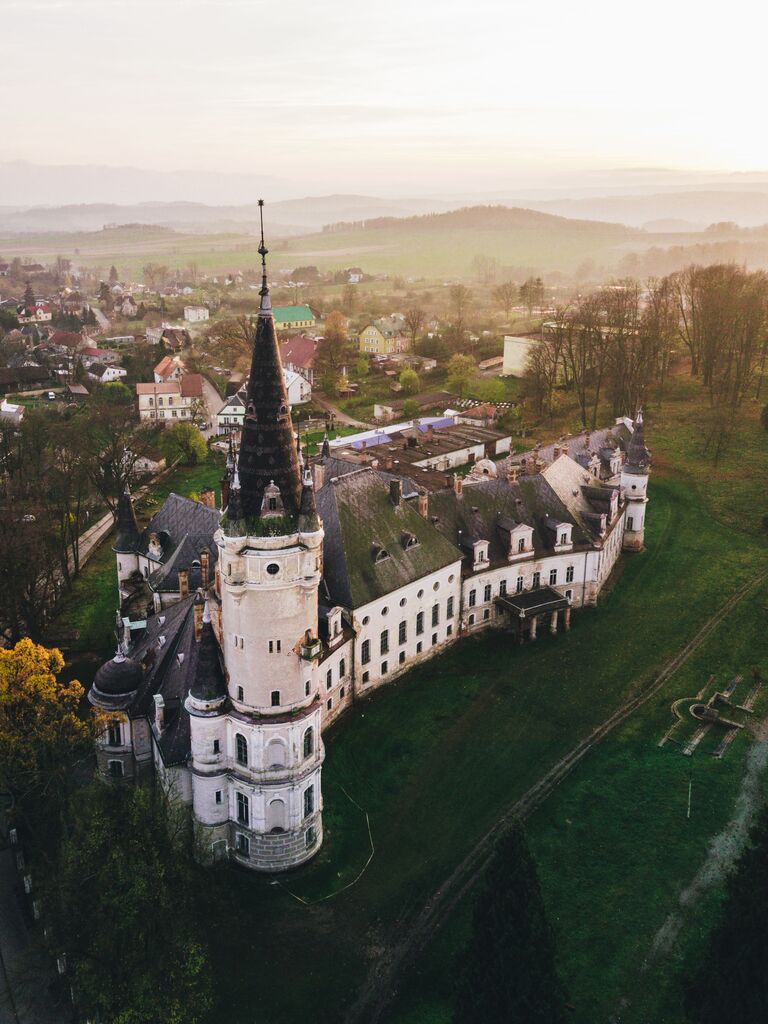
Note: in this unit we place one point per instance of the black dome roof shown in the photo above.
(119, 676)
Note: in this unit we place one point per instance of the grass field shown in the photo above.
(434, 758)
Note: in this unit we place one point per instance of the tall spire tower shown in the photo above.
(634, 486)
(257, 757)
(267, 449)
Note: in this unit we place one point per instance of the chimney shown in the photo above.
(199, 607)
(395, 492)
(208, 497)
(458, 484)
(159, 713)
(204, 568)
(318, 475)
(423, 504)
(430, 432)
(513, 472)
(183, 582)
(556, 452)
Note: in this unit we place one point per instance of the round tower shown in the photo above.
(269, 570)
(634, 487)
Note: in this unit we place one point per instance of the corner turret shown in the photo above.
(634, 486)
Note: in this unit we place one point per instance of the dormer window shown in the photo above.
(379, 552)
(480, 552)
(409, 540)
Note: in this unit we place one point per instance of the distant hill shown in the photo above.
(747, 208)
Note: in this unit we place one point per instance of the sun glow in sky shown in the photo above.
(430, 95)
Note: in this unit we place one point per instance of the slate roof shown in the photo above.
(358, 514)
(488, 508)
(184, 528)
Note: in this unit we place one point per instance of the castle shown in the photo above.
(246, 630)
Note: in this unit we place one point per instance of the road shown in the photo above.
(380, 987)
(341, 417)
(100, 319)
(213, 403)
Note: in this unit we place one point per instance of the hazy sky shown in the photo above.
(381, 95)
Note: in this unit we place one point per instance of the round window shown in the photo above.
(420, 594)
(403, 602)
(273, 568)
(634, 487)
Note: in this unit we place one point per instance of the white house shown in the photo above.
(195, 314)
(231, 414)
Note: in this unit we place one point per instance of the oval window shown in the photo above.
(366, 620)
(403, 602)
(273, 568)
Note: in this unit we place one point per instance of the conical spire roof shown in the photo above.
(638, 456)
(127, 539)
(267, 449)
(209, 682)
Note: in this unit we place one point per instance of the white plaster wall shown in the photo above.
(404, 605)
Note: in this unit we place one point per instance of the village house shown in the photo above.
(292, 318)
(106, 374)
(175, 399)
(196, 314)
(384, 337)
(231, 414)
(169, 368)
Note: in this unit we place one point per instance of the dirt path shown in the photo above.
(341, 417)
(381, 985)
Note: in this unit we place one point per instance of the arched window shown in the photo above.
(309, 800)
(309, 742)
(241, 748)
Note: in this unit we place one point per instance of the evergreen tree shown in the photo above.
(29, 296)
(509, 972)
(731, 983)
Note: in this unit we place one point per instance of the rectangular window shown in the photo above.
(384, 668)
(536, 580)
(308, 801)
(502, 588)
(366, 676)
(116, 769)
(434, 638)
(239, 693)
(472, 598)
(242, 809)
(449, 630)
(521, 544)
(384, 642)
(435, 614)
(218, 796)
(243, 845)
(365, 652)
(418, 647)
(487, 593)
(569, 574)
(275, 698)
(519, 584)
(630, 523)
(401, 657)
(329, 704)
(419, 623)
(402, 633)
(342, 669)
(563, 538)
(216, 746)
(115, 735)
(449, 608)
(487, 613)
(552, 577)
(328, 679)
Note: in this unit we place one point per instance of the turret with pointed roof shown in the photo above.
(127, 538)
(267, 450)
(638, 456)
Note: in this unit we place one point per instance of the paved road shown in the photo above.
(100, 319)
(341, 417)
(213, 403)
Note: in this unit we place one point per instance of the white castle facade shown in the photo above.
(246, 630)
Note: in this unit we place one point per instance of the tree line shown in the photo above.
(614, 345)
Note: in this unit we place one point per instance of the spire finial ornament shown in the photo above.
(265, 307)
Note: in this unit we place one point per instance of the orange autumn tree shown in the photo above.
(42, 736)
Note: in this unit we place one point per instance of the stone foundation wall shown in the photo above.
(278, 851)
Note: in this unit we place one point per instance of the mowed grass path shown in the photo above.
(436, 757)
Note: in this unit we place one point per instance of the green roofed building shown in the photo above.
(290, 317)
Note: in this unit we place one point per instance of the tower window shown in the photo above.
(218, 796)
(240, 694)
(275, 698)
(309, 742)
(243, 845)
(116, 769)
(242, 809)
(115, 735)
(216, 746)
(309, 800)
(241, 748)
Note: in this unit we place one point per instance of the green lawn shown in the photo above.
(434, 758)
